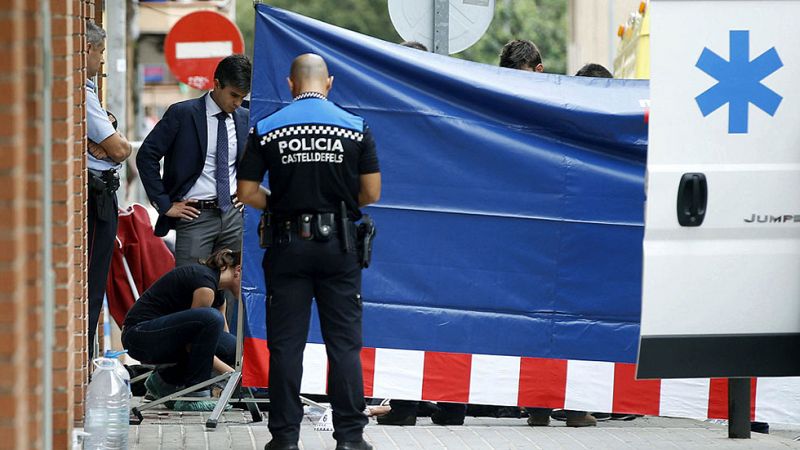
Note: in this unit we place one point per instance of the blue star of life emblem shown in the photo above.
(739, 82)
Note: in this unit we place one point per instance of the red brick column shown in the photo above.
(67, 228)
(15, 330)
(21, 227)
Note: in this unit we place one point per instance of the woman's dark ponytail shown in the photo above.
(222, 259)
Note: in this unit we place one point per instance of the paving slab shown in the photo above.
(164, 429)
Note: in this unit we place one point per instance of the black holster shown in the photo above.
(365, 235)
(103, 188)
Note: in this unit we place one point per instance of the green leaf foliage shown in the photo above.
(542, 21)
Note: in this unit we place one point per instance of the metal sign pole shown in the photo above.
(441, 27)
(739, 408)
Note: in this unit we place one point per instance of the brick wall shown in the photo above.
(14, 387)
(21, 227)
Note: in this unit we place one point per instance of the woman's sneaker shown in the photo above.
(157, 387)
(204, 402)
(196, 405)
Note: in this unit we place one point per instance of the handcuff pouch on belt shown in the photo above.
(323, 226)
(103, 186)
(317, 227)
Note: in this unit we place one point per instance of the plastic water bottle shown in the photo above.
(107, 405)
(120, 368)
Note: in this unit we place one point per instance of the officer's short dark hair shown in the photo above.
(594, 70)
(415, 44)
(518, 53)
(234, 70)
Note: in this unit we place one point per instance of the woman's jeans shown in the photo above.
(189, 339)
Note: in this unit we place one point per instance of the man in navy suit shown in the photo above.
(201, 141)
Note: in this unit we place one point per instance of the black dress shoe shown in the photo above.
(360, 445)
(395, 418)
(274, 445)
(759, 427)
(440, 418)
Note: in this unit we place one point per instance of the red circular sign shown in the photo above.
(197, 43)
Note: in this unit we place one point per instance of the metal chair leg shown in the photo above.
(189, 389)
(224, 397)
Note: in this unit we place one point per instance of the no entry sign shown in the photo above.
(197, 43)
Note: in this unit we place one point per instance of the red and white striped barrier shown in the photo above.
(554, 383)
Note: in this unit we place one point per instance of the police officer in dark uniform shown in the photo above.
(322, 167)
(107, 149)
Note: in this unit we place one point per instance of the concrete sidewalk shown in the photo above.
(163, 429)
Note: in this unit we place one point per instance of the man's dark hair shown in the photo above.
(415, 44)
(234, 70)
(594, 70)
(518, 53)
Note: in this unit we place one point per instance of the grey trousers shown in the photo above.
(212, 230)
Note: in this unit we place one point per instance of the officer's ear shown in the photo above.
(291, 85)
(329, 84)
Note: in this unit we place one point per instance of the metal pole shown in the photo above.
(612, 34)
(116, 85)
(739, 408)
(441, 27)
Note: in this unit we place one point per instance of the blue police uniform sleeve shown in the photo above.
(98, 127)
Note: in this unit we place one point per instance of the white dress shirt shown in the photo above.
(205, 188)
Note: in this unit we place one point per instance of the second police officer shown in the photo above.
(322, 167)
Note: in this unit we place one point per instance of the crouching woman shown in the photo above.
(180, 320)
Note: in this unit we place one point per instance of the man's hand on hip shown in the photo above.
(237, 203)
(181, 210)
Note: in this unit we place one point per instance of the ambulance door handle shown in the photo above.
(692, 199)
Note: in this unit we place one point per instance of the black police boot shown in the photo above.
(277, 445)
(360, 445)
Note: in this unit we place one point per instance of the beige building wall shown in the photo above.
(593, 28)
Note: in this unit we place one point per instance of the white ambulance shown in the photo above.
(721, 286)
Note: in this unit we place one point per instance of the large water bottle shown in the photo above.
(107, 404)
(120, 368)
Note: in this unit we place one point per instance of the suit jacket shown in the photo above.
(181, 139)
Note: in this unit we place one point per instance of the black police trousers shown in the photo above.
(102, 235)
(294, 273)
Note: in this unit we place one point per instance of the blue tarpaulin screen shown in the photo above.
(511, 216)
